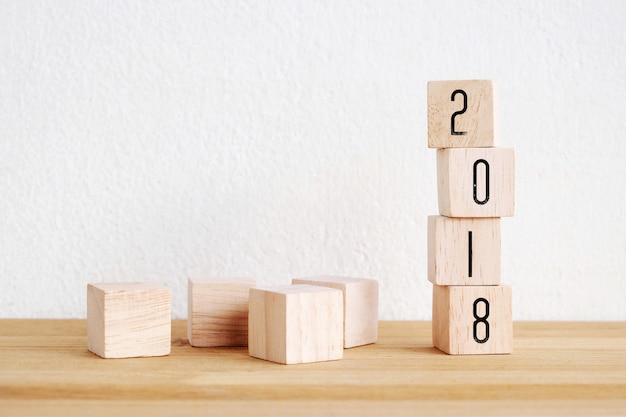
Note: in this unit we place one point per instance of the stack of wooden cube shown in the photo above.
(472, 311)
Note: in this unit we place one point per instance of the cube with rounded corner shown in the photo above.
(126, 320)
(293, 324)
(464, 251)
(472, 320)
(476, 182)
(360, 306)
(218, 311)
(460, 114)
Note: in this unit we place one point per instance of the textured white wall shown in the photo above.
(278, 139)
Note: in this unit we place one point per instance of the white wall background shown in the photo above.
(278, 139)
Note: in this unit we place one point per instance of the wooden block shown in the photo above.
(295, 324)
(460, 114)
(476, 182)
(472, 320)
(464, 251)
(360, 306)
(218, 311)
(126, 320)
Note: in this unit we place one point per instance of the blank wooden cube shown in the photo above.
(218, 311)
(471, 320)
(476, 182)
(126, 320)
(460, 114)
(360, 306)
(295, 324)
(464, 251)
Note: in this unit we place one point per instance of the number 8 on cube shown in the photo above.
(472, 319)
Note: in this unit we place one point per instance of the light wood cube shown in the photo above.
(464, 251)
(218, 311)
(476, 182)
(126, 320)
(295, 324)
(471, 320)
(460, 114)
(360, 306)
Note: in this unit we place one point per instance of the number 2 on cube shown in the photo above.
(453, 130)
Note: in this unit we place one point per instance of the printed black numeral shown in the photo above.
(456, 113)
(469, 254)
(484, 200)
(482, 319)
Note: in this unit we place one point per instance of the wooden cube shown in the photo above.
(460, 114)
(464, 251)
(295, 324)
(126, 320)
(360, 306)
(472, 320)
(218, 311)
(476, 182)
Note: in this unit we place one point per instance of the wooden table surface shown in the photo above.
(555, 369)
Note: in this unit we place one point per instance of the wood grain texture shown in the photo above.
(476, 122)
(557, 368)
(455, 182)
(129, 319)
(472, 320)
(360, 306)
(293, 324)
(218, 311)
(457, 258)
